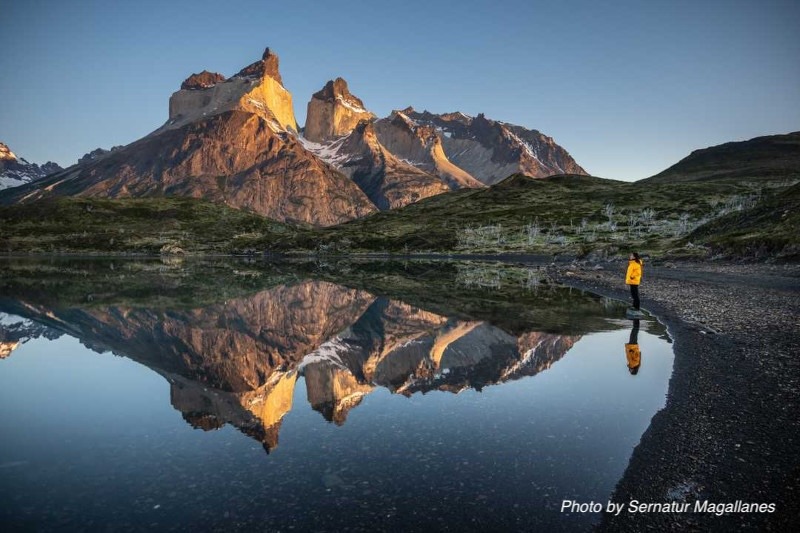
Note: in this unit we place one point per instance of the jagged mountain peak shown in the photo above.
(456, 116)
(233, 143)
(334, 89)
(257, 88)
(491, 149)
(334, 111)
(202, 80)
(401, 118)
(386, 180)
(418, 144)
(269, 65)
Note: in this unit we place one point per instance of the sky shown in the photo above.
(627, 87)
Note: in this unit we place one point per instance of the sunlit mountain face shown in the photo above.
(393, 354)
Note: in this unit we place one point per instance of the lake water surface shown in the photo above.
(219, 395)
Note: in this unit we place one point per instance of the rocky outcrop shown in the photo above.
(333, 111)
(17, 171)
(388, 182)
(268, 66)
(491, 150)
(231, 143)
(420, 146)
(257, 88)
(202, 80)
(96, 154)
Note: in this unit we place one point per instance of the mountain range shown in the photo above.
(16, 171)
(237, 361)
(236, 141)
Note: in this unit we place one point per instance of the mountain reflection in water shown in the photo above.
(237, 361)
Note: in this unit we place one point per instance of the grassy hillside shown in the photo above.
(570, 214)
(770, 228)
(574, 215)
(774, 157)
(144, 226)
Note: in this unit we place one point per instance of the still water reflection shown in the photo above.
(403, 397)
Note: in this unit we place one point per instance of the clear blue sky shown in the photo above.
(628, 87)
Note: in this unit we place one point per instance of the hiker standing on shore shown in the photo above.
(634, 276)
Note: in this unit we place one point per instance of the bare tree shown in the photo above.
(608, 210)
(532, 231)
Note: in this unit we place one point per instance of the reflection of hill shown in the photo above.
(237, 361)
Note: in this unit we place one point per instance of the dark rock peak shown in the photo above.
(202, 80)
(482, 126)
(399, 118)
(456, 124)
(51, 167)
(455, 116)
(332, 89)
(96, 153)
(409, 111)
(337, 89)
(267, 66)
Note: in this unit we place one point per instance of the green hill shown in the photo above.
(774, 157)
(770, 228)
(570, 214)
(144, 226)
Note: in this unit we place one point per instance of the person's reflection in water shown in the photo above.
(632, 352)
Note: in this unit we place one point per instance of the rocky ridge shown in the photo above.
(420, 145)
(386, 180)
(491, 150)
(17, 171)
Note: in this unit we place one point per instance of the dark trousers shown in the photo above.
(634, 333)
(635, 296)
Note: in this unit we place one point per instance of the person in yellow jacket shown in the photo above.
(632, 352)
(634, 277)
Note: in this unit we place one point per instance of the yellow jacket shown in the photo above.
(634, 355)
(634, 275)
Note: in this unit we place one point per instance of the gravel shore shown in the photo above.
(729, 430)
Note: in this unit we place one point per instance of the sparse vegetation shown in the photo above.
(518, 215)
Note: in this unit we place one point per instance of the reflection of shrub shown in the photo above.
(475, 275)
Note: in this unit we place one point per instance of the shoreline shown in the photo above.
(729, 429)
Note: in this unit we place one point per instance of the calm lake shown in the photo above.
(324, 396)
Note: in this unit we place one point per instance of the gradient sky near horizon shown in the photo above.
(627, 87)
